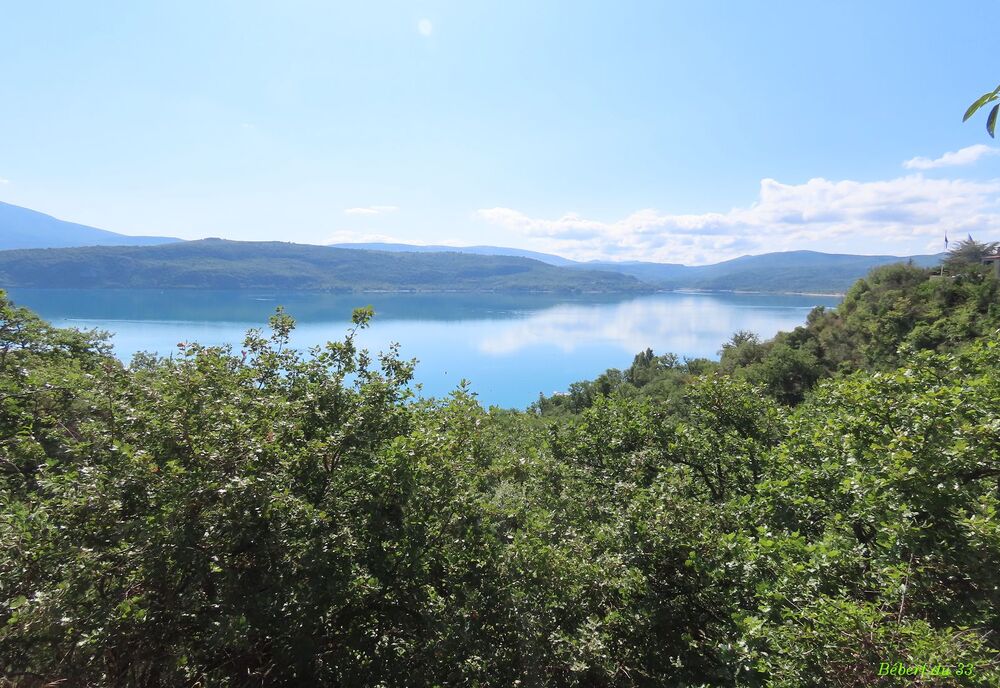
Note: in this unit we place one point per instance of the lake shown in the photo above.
(510, 347)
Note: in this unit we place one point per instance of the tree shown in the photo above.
(970, 252)
(742, 349)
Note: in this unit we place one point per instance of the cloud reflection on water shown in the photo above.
(681, 322)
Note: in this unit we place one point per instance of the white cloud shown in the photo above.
(963, 156)
(371, 210)
(900, 215)
(425, 27)
(347, 236)
(4, 181)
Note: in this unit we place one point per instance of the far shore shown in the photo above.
(494, 292)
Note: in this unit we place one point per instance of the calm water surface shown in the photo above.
(509, 347)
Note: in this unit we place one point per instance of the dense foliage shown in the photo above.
(268, 517)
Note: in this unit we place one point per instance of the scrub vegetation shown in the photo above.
(799, 513)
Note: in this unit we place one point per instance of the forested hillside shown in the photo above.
(802, 513)
(219, 264)
(780, 272)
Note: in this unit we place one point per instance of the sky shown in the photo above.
(671, 131)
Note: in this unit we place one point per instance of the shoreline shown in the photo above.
(491, 292)
(747, 291)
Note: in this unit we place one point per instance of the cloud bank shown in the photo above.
(963, 156)
(371, 210)
(909, 214)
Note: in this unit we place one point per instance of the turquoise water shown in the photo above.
(510, 348)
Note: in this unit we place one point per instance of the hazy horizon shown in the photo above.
(457, 246)
(667, 132)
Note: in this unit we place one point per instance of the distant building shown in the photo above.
(995, 262)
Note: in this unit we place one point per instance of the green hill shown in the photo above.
(786, 271)
(218, 264)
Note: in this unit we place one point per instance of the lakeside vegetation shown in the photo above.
(793, 515)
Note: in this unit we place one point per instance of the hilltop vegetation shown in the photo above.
(264, 517)
(218, 264)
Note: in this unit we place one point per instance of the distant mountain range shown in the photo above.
(799, 271)
(24, 228)
(787, 271)
(118, 260)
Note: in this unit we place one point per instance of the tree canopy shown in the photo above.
(969, 252)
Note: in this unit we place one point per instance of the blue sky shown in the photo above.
(680, 132)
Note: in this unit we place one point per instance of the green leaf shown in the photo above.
(985, 98)
(18, 601)
(991, 121)
(362, 316)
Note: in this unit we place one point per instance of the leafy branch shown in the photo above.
(985, 99)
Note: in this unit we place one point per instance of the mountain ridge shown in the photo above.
(797, 271)
(23, 228)
(223, 264)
